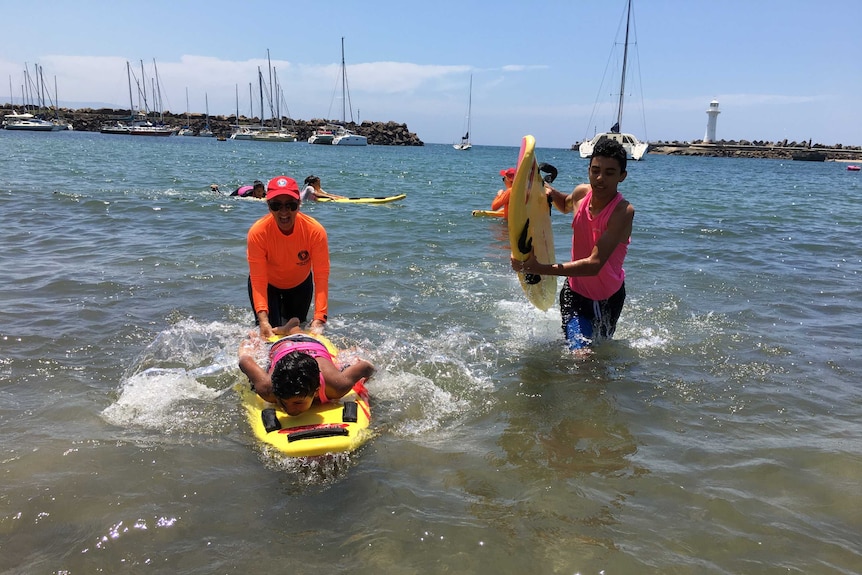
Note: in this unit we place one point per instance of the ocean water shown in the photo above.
(720, 432)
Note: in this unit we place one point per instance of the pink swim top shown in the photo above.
(304, 344)
(586, 231)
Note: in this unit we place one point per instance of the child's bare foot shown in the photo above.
(292, 326)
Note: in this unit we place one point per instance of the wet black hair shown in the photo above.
(311, 178)
(257, 183)
(295, 374)
(607, 148)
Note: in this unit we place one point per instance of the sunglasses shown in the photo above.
(278, 206)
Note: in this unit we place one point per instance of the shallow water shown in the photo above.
(718, 433)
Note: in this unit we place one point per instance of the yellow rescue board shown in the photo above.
(488, 213)
(530, 226)
(338, 426)
(376, 200)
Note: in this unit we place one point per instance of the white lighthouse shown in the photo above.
(713, 113)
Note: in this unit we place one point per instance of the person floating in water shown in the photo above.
(312, 191)
(256, 190)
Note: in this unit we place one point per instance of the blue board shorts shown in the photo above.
(586, 319)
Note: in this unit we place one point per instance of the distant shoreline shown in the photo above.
(804, 151)
(91, 120)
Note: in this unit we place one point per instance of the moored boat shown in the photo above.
(465, 143)
(345, 137)
(322, 136)
(266, 135)
(28, 122)
(635, 149)
(137, 124)
(808, 156)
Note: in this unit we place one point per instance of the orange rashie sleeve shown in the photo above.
(284, 261)
(502, 201)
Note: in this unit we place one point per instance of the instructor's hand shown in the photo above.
(266, 331)
(316, 327)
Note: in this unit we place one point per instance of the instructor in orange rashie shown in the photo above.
(501, 200)
(288, 262)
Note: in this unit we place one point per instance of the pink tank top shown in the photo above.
(586, 231)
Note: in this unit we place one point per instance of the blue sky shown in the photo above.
(779, 68)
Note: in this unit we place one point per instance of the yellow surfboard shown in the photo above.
(375, 200)
(530, 226)
(338, 426)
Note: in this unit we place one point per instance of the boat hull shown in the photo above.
(31, 125)
(350, 139)
(321, 139)
(635, 149)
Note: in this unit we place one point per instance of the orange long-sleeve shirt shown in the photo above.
(284, 261)
(501, 200)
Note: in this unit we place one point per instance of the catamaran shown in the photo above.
(635, 149)
(343, 136)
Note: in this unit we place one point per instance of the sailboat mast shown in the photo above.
(129, 78)
(269, 65)
(157, 92)
(469, 107)
(625, 61)
(277, 99)
(41, 81)
(343, 85)
(260, 85)
(143, 90)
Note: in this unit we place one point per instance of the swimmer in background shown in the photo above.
(256, 190)
(312, 191)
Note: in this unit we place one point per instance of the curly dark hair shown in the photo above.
(295, 374)
(608, 148)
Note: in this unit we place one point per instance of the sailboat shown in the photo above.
(187, 129)
(343, 136)
(275, 132)
(26, 120)
(635, 149)
(206, 132)
(465, 139)
(138, 124)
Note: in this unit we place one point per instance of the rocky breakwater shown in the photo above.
(783, 150)
(378, 133)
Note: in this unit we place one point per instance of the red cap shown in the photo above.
(282, 186)
(509, 173)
